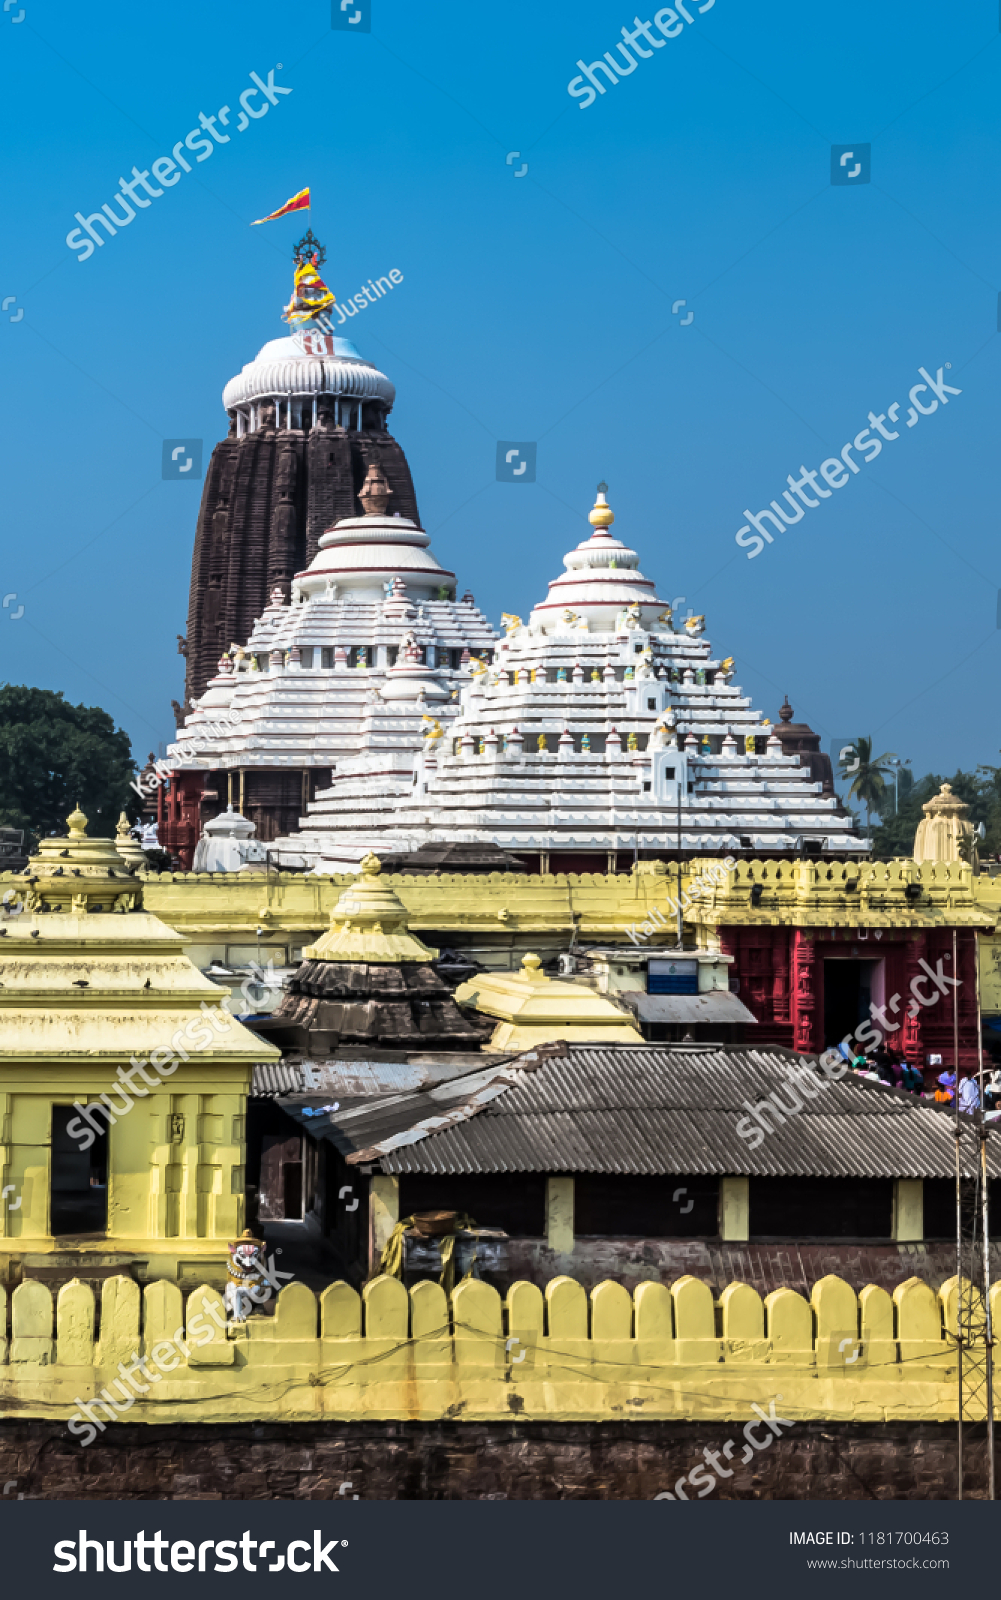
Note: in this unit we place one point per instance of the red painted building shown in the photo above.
(827, 951)
(810, 987)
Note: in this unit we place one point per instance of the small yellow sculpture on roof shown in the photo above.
(510, 623)
(434, 732)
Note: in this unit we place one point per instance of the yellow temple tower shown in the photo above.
(123, 1081)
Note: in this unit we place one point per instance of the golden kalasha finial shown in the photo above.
(77, 823)
(601, 514)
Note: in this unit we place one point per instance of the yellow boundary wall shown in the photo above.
(555, 1354)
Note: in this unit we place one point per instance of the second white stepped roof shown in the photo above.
(595, 720)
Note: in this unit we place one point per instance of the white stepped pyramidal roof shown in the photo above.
(372, 641)
(602, 725)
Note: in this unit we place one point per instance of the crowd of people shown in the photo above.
(886, 1066)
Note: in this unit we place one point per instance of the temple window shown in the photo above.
(306, 656)
(78, 1179)
(327, 657)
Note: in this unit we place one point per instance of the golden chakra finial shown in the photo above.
(76, 822)
(601, 515)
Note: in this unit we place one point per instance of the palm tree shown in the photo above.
(868, 774)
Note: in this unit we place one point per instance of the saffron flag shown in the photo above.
(298, 202)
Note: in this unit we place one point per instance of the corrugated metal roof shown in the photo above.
(363, 1130)
(664, 1110)
(273, 1078)
(715, 1005)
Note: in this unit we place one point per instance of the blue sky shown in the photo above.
(535, 308)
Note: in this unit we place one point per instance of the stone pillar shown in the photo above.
(383, 1215)
(734, 1209)
(803, 995)
(911, 1033)
(780, 976)
(908, 1210)
(559, 1215)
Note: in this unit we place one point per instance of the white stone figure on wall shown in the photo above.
(644, 672)
(663, 736)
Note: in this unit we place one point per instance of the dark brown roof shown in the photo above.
(446, 857)
(402, 1005)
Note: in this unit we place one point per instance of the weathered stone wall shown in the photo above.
(470, 1461)
(785, 1263)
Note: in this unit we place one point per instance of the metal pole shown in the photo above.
(681, 915)
(959, 1224)
(986, 1240)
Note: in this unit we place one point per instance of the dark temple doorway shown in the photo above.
(78, 1197)
(848, 992)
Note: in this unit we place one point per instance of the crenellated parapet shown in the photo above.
(556, 1354)
(899, 894)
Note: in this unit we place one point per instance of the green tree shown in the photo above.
(54, 755)
(868, 775)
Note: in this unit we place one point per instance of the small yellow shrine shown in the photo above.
(534, 1009)
(945, 832)
(369, 923)
(123, 1082)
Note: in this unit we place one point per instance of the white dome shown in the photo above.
(229, 824)
(280, 368)
(602, 579)
(368, 552)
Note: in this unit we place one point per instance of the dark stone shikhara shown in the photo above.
(268, 497)
(401, 1006)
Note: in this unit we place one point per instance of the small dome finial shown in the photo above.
(785, 710)
(601, 515)
(76, 823)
